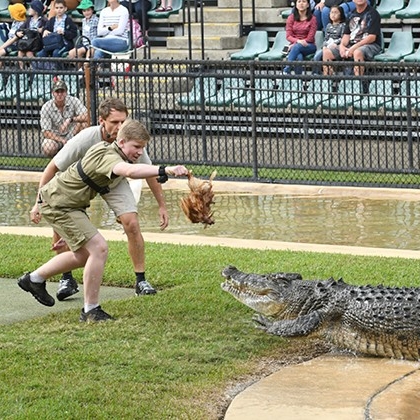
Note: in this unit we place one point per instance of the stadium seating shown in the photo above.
(401, 44)
(256, 43)
(347, 94)
(387, 8)
(401, 102)
(196, 97)
(287, 91)
(410, 58)
(177, 5)
(276, 51)
(318, 91)
(410, 12)
(40, 88)
(231, 89)
(264, 89)
(4, 9)
(15, 85)
(380, 91)
(319, 40)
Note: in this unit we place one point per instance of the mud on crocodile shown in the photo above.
(370, 320)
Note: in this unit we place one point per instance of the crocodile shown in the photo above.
(367, 320)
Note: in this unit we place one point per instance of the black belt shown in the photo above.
(89, 181)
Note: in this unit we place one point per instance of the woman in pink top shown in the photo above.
(301, 27)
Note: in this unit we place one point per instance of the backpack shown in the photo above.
(137, 34)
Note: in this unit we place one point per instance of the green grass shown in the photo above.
(169, 356)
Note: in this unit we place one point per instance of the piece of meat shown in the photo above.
(197, 205)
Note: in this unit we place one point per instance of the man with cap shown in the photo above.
(89, 30)
(61, 118)
(18, 14)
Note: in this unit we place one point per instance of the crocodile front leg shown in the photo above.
(302, 325)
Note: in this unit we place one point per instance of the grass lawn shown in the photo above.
(170, 356)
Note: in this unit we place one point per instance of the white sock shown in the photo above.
(36, 278)
(90, 306)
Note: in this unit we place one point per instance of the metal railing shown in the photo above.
(246, 118)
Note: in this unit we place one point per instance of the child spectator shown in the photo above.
(35, 22)
(18, 14)
(89, 30)
(301, 27)
(333, 34)
(62, 25)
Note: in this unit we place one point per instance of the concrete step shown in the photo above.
(210, 42)
(215, 29)
(169, 54)
(248, 3)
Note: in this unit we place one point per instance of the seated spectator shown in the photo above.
(362, 35)
(63, 25)
(36, 22)
(89, 30)
(165, 6)
(18, 14)
(301, 27)
(112, 30)
(139, 9)
(61, 119)
(333, 35)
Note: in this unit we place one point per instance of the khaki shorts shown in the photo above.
(121, 199)
(73, 225)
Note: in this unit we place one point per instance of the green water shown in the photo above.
(325, 220)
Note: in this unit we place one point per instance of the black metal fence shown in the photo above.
(248, 119)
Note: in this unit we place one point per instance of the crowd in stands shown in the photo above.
(352, 31)
(32, 34)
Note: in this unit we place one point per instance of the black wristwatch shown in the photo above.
(163, 177)
(109, 28)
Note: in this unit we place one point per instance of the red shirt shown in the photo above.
(301, 29)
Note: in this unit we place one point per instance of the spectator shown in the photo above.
(89, 30)
(112, 30)
(165, 6)
(63, 203)
(35, 22)
(301, 27)
(18, 14)
(362, 35)
(139, 12)
(61, 118)
(60, 24)
(333, 35)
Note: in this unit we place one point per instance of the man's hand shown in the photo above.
(35, 215)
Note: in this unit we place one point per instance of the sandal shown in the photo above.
(168, 9)
(160, 9)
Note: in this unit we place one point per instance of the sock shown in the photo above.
(67, 275)
(89, 306)
(140, 277)
(36, 278)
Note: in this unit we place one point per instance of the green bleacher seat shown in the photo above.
(276, 51)
(4, 9)
(399, 103)
(410, 12)
(286, 91)
(380, 91)
(387, 8)
(177, 5)
(39, 88)
(256, 43)
(264, 89)
(232, 88)
(15, 85)
(401, 44)
(348, 93)
(411, 58)
(319, 40)
(318, 90)
(286, 13)
(196, 97)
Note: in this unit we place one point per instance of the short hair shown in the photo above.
(63, 2)
(110, 104)
(133, 130)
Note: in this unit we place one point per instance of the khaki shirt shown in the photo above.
(67, 190)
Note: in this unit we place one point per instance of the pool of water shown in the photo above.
(291, 218)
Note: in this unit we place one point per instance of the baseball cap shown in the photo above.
(59, 85)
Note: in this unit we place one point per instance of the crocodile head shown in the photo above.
(266, 294)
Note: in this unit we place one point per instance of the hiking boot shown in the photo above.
(37, 290)
(144, 288)
(95, 315)
(66, 288)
